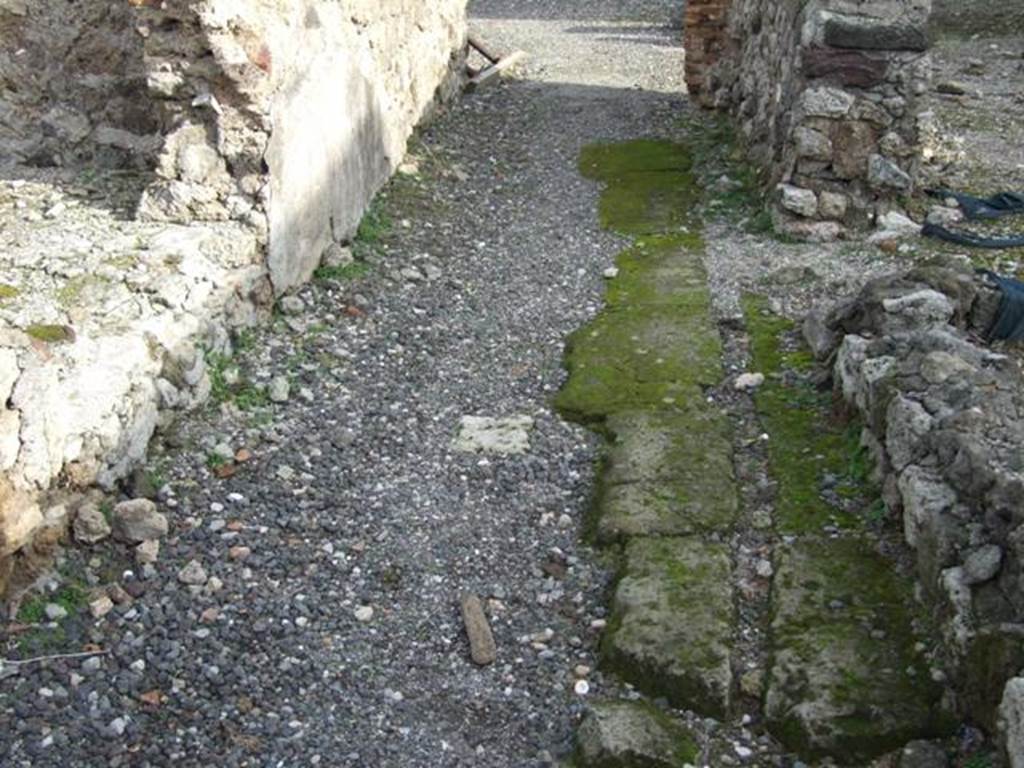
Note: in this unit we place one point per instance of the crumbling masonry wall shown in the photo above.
(944, 421)
(825, 93)
(259, 131)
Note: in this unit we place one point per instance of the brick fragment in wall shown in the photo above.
(845, 68)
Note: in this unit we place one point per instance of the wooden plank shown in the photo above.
(484, 49)
(492, 73)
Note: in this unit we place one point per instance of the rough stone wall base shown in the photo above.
(944, 421)
(825, 94)
(262, 130)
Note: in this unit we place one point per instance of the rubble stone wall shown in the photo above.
(287, 115)
(965, 17)
(261, 130)
(825, 93)
(944, 419)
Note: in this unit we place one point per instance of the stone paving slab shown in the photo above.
(848, 679)
(639, 358)
(667, 474)
(672, 622)
(630, 735)
(663, 271)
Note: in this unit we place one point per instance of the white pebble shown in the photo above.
(582, 688)
(364, 613)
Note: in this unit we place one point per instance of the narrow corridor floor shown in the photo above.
(320, 623)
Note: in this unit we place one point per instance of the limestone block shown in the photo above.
(10, 440)
(20, 517)
(667, 474)
(8, 373)
(884, 173)
(685, 661)
(825, 102)
(625, 734)
(812, 144)
(835, 690)
(925, 498)
(1011, 721)
(802, 202)
(833, 205)
(907, 422)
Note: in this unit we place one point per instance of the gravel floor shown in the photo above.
(354, 498)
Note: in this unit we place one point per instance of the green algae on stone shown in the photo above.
(639, 357)
(51, 334)
(650, 185)
(7, 292)
(804, 442)
(847, 679)
(661, 270)
(672, 622)
(667, 474)
(626, 734)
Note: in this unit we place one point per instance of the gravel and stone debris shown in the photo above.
(315, 524)
(137, 521)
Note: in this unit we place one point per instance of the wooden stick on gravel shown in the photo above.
(482, 649)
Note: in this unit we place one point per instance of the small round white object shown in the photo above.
(582, 688)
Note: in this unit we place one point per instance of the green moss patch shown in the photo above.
(655, 346)
(672, 623)
(847, 678)
(667, 474)
(650, 188)
(51, 334)
(806, 442)
(7, 292)
(639, 357)
(347, 272)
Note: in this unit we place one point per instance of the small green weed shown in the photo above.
(71, 597)
(347, 272)
(225, 388)
(214, 460)
(375, 224)
(978, 761)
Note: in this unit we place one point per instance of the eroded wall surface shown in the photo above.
(258, 132)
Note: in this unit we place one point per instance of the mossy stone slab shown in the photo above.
(661, 271)
(667, 474)
(646, 357)
(625, 734)
(672, 623)
(839, 687)
(650, 185)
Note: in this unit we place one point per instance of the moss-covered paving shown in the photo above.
(666, 474)
(807, 446)
(625, 734)
(672, 622)
(849, 677)
(638, 373)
